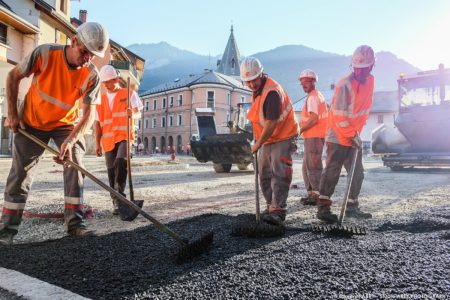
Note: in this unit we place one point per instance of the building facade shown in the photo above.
(171, 109)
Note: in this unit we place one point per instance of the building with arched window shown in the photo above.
(170, 109)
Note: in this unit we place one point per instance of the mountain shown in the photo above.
(165, 63)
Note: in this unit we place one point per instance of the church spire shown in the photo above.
(229, 64)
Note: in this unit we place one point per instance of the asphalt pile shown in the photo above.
(405, 256)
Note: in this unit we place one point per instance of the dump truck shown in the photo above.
(224, 149)
(420, 135)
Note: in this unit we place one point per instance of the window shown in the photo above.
(163, 121)
(232, 63)
(171, 101)
(170, 121)
(153, 122)
(242, 99)
(228, 117)
(380, 119)
(146, 123)
(63, 6)
(210, 100)
(180, 100)
(229, 99)
(139, 124)
(3, 33)
(154, 104)
(164, 103)
(146, 105)
(179, 120)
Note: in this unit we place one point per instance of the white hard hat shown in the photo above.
(108, 72)
(251, 68)
(308, 74)
(363, 57)
(94, 37)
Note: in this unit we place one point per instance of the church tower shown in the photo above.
(230, 62)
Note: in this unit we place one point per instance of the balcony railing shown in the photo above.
(125, 65)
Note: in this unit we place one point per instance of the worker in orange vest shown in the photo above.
(275, 130)
(349, 111)
(312, 128)
(64, 79)
(111, 129)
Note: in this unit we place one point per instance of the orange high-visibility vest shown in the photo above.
(318, 130)
(53, 98)
(114, 122)
(287, 126)
(349, 110)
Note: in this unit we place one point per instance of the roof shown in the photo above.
(229, 64)
(2, 3)
(207, 77)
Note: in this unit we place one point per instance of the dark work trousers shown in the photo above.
(275, 172)
(338, 156)
(116, 163)
(25, 158)
(312, 163)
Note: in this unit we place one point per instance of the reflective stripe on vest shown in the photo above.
(53, 98)
(287, 126)
(319, 129)
(350, 108)
(114, 123)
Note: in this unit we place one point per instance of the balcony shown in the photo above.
(126, 68)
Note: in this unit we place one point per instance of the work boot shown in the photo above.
(80, 232)
(6, 238)
(355, 212)
(275, 218)
(266, 211)
(324, 213)
(309, 200)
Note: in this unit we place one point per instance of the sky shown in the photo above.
(417, 31)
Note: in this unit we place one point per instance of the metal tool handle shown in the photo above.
(124, 200)
(258, 215)
(349, 184)
(130, 180)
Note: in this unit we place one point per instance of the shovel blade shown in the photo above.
(128, 213)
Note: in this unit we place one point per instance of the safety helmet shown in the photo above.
(251, 68)
(94, 37)
(363, 57)
(308, 74)
(108, 72)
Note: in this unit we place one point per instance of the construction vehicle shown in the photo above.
(421, 132)
(224, 149)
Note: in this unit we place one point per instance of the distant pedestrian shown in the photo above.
(188, 149)
(141, 149)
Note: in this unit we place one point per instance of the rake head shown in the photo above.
(258, 230)
(339, 230)
(194, 248)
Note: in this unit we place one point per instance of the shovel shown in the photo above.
(188, 249)
(127, 213)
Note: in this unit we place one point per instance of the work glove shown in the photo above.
(357, 142)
